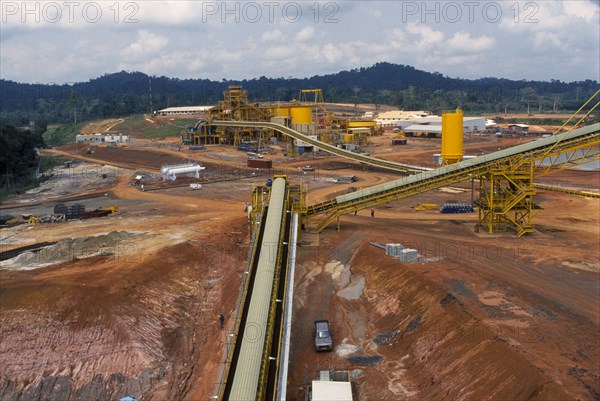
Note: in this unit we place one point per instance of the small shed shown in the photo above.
(519, 128)
(331, 391)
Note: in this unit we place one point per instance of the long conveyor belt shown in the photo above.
(372, 161)
(580, 145)
(552, 147)
(253, 370)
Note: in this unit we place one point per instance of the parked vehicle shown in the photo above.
(323, 340)
(308, 168)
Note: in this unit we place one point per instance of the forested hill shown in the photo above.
(126, 93)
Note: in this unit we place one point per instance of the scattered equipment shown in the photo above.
(170, 173)
(457, 208)
(427, 206)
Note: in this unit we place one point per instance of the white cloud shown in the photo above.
(463, 42)
(587, 10)
(543, 39)
(271, 36)
(172, 39)
(427, 36)
(168, 12)
(278, 52)
(332, 53)
(305, 34)
(147, 44)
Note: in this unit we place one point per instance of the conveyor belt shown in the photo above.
(552, 148)
(567, 190)
(371, 161)
(246, 374)
(581, 145)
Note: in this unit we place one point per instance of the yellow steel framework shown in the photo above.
(296, 198)
(318, 96)
(361, 158)
(260, 195)
(506, 184)
(506, 200)
(507, 190)
(506, 195)
(234, 106)
(329, 125)
(539, 161)
(510, 179)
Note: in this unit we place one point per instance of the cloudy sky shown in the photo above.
(72, 41)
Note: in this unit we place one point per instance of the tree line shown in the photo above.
(20, 159)
(125, 93)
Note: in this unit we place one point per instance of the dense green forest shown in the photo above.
(126, 93)
(20, 160)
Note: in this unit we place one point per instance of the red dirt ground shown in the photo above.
(485, 317)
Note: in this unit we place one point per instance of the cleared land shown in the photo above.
(128, 303)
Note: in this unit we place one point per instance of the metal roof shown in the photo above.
(438, 119)
(185, 109)
(401, 114)
(424, 128)
(331, 391)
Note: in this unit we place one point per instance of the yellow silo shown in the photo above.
(301, 114)
(452, 136)
(281, 111)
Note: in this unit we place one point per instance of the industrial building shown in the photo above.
(431, 126)
(99, 138)
(173, 111)
(306, 117)
(392, 118)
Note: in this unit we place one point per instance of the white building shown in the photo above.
(433, 130)
(470, 124)
(392, 118)
(99, 138)
(433, 124)
(172, 111)
(305, 146)
(331, 391)
(120, 138)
